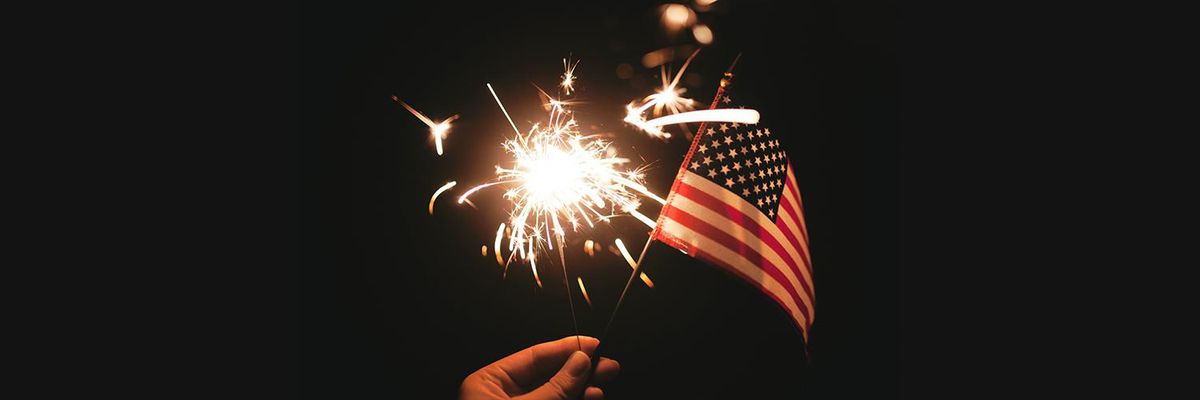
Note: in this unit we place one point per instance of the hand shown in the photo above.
(551, 370)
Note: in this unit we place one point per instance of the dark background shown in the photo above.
(388, 301)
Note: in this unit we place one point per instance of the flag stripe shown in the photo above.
(794, 188)
(756, 233)
(748, 241)
(730, 199)
(703, 247)
(789, 231)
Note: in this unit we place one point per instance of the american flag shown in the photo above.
(735, 204)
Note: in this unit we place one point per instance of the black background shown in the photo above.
(388, 301)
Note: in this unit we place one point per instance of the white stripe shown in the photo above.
(735, 201)
(789, 222)
(750, 239)
(751, 271)
(795, 197)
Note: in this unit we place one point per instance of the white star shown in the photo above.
(745, 192)
(724, 128)
(703, 148)
(725, 169)
(726, 100)
(728, 140)
(695, 165)
(737, 166)
(732, 152)
(711, 131)
(735, 125)
(707, 160)
(740, 137)
(760, 202)
(712, 173)
(768, 132)
(728, 182)
(771, 213)
(716, 144)
(741, 179)
(720, 157)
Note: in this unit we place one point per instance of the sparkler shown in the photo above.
(560, 179)
(436, 129)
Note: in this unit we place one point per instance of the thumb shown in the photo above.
(568, 383)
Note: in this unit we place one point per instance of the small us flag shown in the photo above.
(735, 204)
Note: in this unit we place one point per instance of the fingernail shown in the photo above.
(577, 364)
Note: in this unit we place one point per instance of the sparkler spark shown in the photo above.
(633, 264)
(436, 129)
(568, 77)
(668, 98)
(444, 188)
(584, 290)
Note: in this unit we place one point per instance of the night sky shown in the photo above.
(388, 301)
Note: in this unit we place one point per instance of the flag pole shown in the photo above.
(637, 266)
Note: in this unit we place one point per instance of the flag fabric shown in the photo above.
(736, 204)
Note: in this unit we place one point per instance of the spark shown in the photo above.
(739, 115)
(633, 264)
(584, 290)
(483, 250)
(499, 237)
(668, 98)
(437, 129)
(444, 188)
(559, 180)
(568, 77)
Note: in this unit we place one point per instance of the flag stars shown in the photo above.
(728, 140)
(757, 160)
(707, 160)
(759, 133)
(720, 157)
(732, 152)
(724, 127)
(711, 132)
(745, 192)
(760, 202)
(712, 173)
(768, 132)
(757, 189)
(726, 100)
(754, 147)
(702, 148)
(741, 179)
(695, 165)
(725, 169)
(737, 166)
(728, 182)
(771, 213)
(735, 125)
(716, 144)
(740, 137)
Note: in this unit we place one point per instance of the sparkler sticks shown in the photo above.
(637, 268)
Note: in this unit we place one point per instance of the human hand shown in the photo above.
(551, 370)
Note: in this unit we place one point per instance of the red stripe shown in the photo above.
(751, 255)
(737, 216)
(694, 251)
(800, 249)
(795, 187)
(785, 203)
